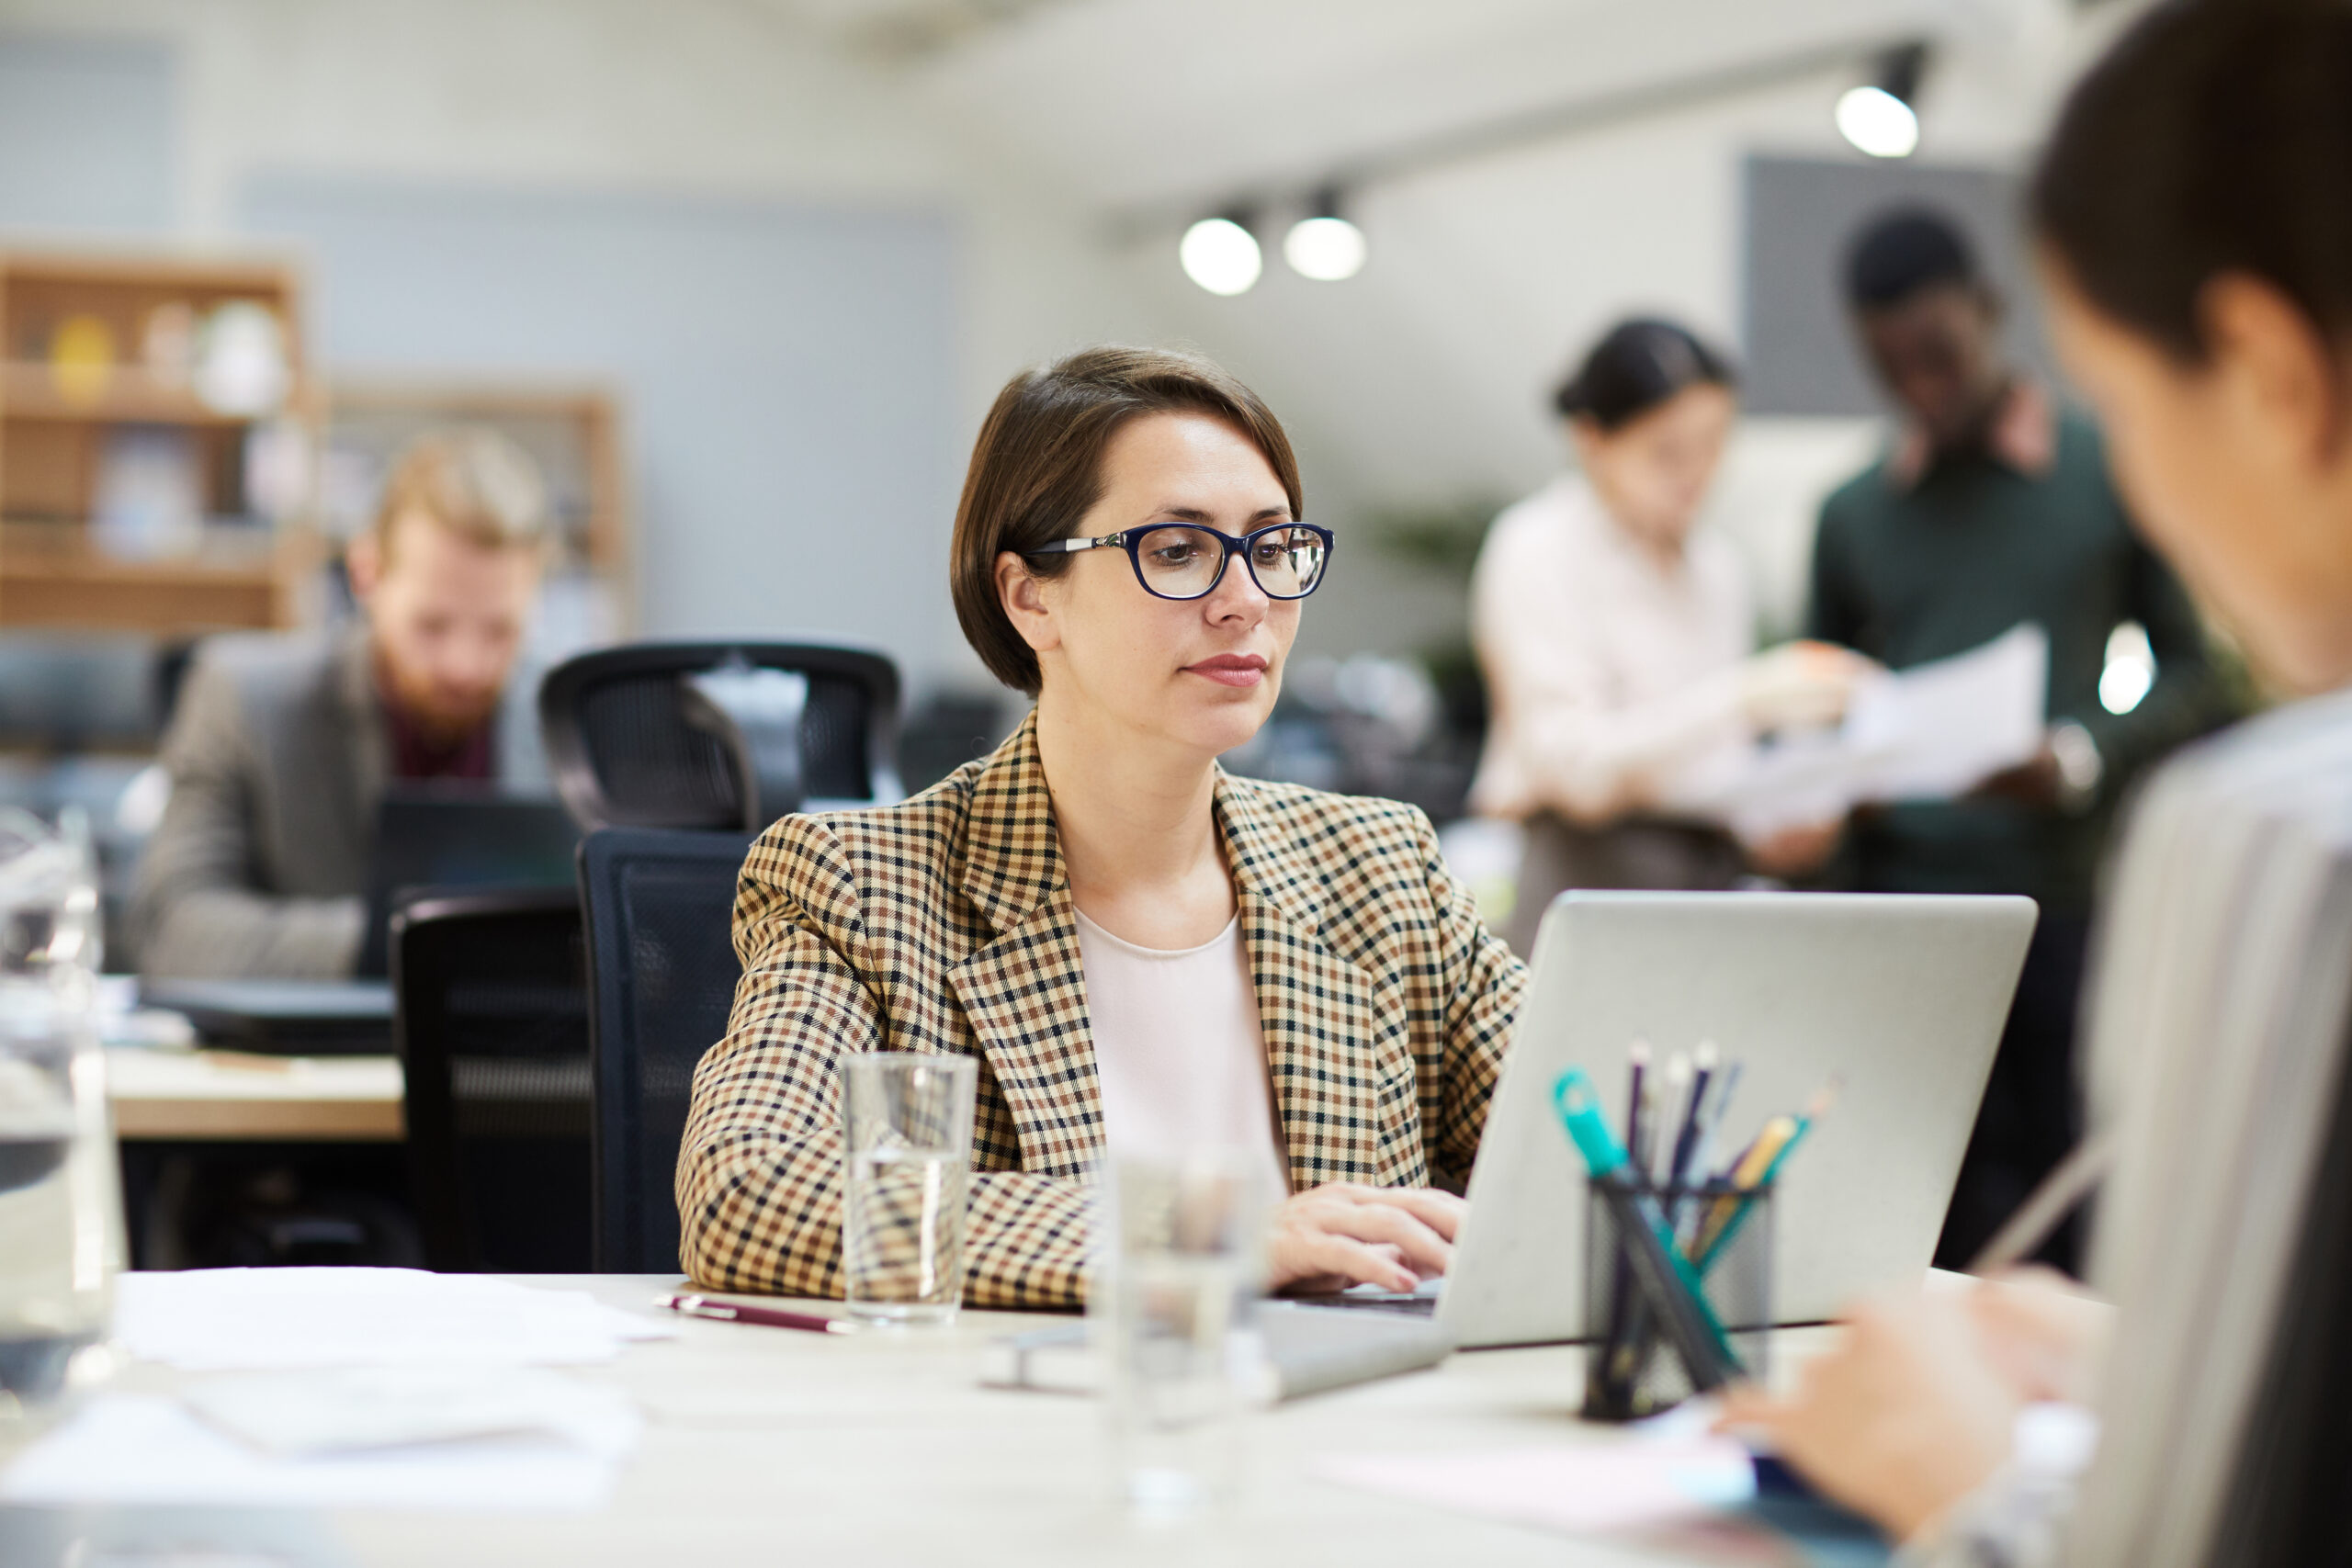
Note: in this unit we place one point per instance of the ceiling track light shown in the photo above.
(1221, 254)
(1881, 117)
(1324, 245)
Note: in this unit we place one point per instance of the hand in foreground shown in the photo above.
(1342, 1233)
(1904, 1419)
(2041, 1333)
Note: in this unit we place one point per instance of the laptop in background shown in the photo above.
(460, 838)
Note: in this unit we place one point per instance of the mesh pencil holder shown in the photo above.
(1633, 1366)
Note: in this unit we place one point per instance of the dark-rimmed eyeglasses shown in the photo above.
(1186, 561)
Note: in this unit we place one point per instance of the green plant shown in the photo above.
(1442, 540)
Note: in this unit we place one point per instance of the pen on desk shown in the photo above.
(1648, 1243)
(765, 1317)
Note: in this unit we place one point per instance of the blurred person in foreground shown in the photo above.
(1995, 508)
(1618, 640)
(283, 743)
(2197, 248)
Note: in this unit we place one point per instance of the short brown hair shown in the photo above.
(472, 481)
(1037, 469)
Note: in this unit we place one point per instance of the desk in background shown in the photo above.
(229, 1097)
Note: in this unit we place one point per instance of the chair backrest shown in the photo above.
(662, 972)
(635, 739)
(489, 1016)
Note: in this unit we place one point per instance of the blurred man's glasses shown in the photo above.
(1184, 560)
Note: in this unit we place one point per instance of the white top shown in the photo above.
(1178, 1050)
(1613, 678)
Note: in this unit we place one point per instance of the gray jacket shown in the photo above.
(277, 755)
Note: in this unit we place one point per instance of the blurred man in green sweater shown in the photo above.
(1993, 508)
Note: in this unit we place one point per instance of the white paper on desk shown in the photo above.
(296, 1414)
(1585, 1488)
(258, 1319)
(137, 1448)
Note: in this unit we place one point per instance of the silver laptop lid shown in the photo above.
(1903, 997)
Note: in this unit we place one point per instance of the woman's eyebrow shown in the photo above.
(1197, 514)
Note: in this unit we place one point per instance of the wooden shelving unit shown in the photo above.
(57, 420)
(574, 431)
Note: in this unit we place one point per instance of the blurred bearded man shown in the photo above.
(282, 745)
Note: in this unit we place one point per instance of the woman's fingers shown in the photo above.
(1357, 1262)
(1442, 1212)
(1425, 1251)
(1389, 1238)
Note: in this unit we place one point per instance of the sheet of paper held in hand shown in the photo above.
(1928, 733)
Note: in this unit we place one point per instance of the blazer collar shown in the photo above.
(1012, 856)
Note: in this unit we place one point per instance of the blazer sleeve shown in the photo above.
(1483, 984)
(760, 1181)
(195, 910)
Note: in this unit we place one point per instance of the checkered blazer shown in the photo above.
(945, 924)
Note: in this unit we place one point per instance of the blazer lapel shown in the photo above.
(1025, 990)
(1317, 1013)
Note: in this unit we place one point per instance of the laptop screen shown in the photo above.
(460, 838)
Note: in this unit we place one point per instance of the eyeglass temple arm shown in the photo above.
(1072, 546)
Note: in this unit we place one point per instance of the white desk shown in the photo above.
(768, 1446)
(206, 1095)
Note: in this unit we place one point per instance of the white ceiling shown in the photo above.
(1140, 103)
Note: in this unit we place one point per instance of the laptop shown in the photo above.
(460, 838)
(1903, 998)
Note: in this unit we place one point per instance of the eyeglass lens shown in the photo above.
(1183, 562)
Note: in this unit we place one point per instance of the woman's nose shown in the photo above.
(1237, 593)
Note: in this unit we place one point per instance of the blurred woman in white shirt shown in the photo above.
(1617, 642)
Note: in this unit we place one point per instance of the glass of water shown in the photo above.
(61, 1207)
(907, 1116)
(1179, 1262)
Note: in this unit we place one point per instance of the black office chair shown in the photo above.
(719, 735)
(490, 1021)
(662, 969)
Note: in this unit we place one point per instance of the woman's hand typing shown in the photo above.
(1342, 1233)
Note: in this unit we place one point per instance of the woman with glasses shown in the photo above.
(1145, 954)
(1618, 642)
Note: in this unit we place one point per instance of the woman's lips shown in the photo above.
(1230, 668)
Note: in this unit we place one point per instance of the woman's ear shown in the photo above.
(1583, 438)
(1022, 594)
(2274, 363)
